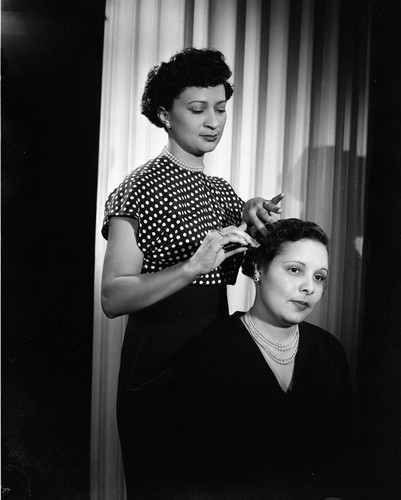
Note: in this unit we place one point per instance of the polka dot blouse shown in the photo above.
(175, 208)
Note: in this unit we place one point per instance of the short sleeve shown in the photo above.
(122, 202)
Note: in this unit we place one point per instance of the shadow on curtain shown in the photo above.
(297, 123)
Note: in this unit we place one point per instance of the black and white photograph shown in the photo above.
(201, 234)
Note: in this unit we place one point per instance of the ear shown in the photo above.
(163, 116)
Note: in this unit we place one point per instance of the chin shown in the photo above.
(295, 319)
(208, 148)
(209, 145)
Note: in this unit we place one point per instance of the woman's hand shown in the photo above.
(258, 211)
(126, 290)
(218, 245)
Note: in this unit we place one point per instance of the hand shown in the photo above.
(257, 213)
(218, 245)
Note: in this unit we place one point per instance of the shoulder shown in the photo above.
(322, 342)
(224, 192)
(318, 334)
(214, 334)
(144, 173)
(220, 183)
(143, 176)
(207, 348)
(130, 197)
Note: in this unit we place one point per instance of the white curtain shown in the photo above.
(297, 123)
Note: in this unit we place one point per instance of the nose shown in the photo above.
(211, 120)
(308, 285)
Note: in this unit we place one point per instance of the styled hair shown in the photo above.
(278, 234)
(188, 68)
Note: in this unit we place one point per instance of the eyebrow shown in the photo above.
(303, 263)
(206, 102)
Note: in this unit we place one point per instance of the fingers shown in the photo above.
(214, 248)
(276, 199)
(259, 212)
(265, 218)
(235, 236)
(258, 225)
(267, 215)
(271, 205)
(231, 250)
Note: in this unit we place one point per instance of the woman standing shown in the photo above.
(175, 239)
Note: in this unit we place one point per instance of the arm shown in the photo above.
(125, 290)
(257, 212)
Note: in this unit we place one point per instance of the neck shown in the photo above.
(184, 156)
(275, 332)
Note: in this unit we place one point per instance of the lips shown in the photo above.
(210, 137)
(301, 305)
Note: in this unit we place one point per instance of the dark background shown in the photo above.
(380, 367)
(51, 87)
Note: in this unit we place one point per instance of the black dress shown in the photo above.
(175, 208)
(234, 433)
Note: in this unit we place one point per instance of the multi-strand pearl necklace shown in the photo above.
(269, 346)
(191, 168)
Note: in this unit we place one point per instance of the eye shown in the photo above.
(294, 270)
(196, 111)
(320, 277)
(221, 110)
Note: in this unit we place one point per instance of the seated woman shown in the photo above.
(261, 401)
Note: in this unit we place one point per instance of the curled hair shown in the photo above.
(278, 234)
(188, 68)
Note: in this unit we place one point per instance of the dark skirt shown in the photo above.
(152, 336)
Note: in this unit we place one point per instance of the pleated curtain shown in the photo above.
(297, 123)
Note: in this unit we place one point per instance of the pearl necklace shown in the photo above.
(181, 164)
(267, 344)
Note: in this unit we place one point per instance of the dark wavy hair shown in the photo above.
(278, 234)
(188, 68)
